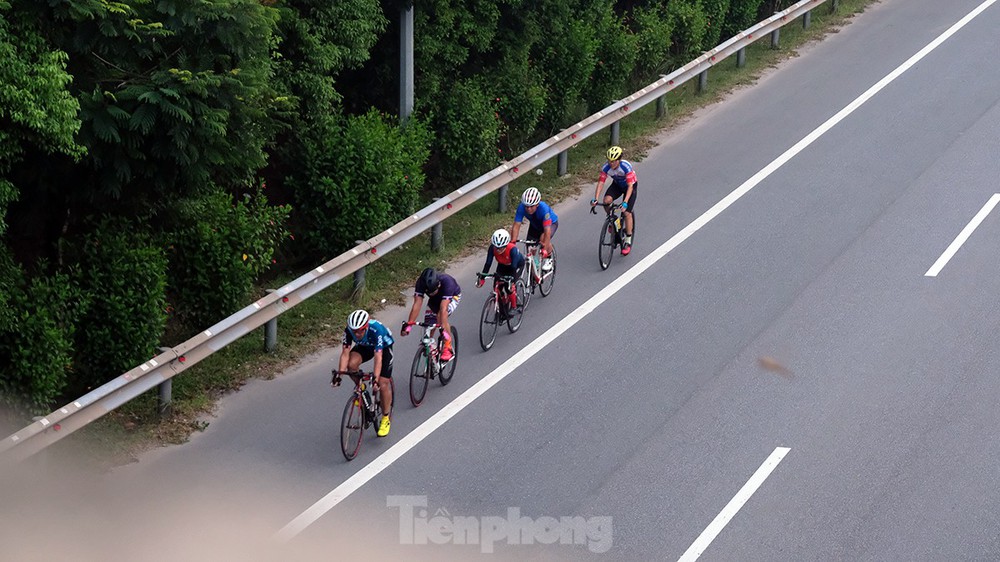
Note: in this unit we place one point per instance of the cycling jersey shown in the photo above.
(510, 257)
(622, 175)
(542, 217)
(448, 290)
(376, 337)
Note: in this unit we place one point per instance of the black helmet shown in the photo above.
(430, 279)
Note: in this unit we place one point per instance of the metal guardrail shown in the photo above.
(71, 417)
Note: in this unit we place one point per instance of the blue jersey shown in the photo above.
(542, 217)
(377, 336)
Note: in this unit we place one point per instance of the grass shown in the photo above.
(317, 322)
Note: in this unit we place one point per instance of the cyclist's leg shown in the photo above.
(631, 207)
(354, 362)
(384, 375)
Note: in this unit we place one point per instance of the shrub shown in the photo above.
(218, 250)
(36, 350)
(653, 32)
(616, 56)
(742, 14)
(125, 274)
(715, 15)
(468, 130)
(367, 180)
(689, 24)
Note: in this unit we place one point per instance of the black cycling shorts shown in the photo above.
(368, 353)
(615, 191)
(536, 234)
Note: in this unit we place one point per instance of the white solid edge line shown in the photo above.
(383, 461)
(963, 236)
(715, 527)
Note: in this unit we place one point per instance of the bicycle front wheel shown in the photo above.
(352, 425)
(514, 321)
(606, 250)
(548, 277)
(449, 369)
(488, 323)
(419, 373)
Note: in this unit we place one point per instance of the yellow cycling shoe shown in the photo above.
(383, 428)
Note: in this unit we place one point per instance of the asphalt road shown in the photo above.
(641, 419)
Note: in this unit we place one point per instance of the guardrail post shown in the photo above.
(358, 288)
(562, 164)
(741, 57)
(616, 129)
(270, 332)
(164, 399)
(502, 200)
(834, 5)
(661, 107)
(437, 237)
(806, 18)
(775, 36)
(703, 81)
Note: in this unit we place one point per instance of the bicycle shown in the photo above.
(533, 275)
(363, 410)
(427, 362)
(612, 233)
(496, 309)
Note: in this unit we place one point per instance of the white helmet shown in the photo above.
(531, 196)
(501, 237)
(357, 320)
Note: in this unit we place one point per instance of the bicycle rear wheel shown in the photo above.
(419, 375)
(488, 323)
(606, 249)
(352, 425)
(549, 277)
(514, 321)
(448, 370)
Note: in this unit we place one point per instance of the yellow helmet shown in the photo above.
(614, 153)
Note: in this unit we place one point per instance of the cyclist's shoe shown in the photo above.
(547, 265)
(626, 248)
(447, 354)
(383, 428)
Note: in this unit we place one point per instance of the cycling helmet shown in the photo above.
(357, 320)
(614, 153)
(501, 238)
(531, 196)
(430, 279)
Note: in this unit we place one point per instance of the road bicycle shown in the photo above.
(363, 410)
(497, 308)
(427, 362)
(612, 233)
(534, 277)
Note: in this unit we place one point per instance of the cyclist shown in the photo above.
(364, 339)
(444, 294)
(542, 222)
(510, 261)
(624, 184)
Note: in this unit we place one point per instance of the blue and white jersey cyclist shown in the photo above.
(542, 222)
(366, 339)
(624, 184)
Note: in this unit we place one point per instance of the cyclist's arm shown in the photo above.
(378, 364)
(600, 183)
(630, 179)
(345, 355)
(418, 301)
(514, 230)
(489, 260)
